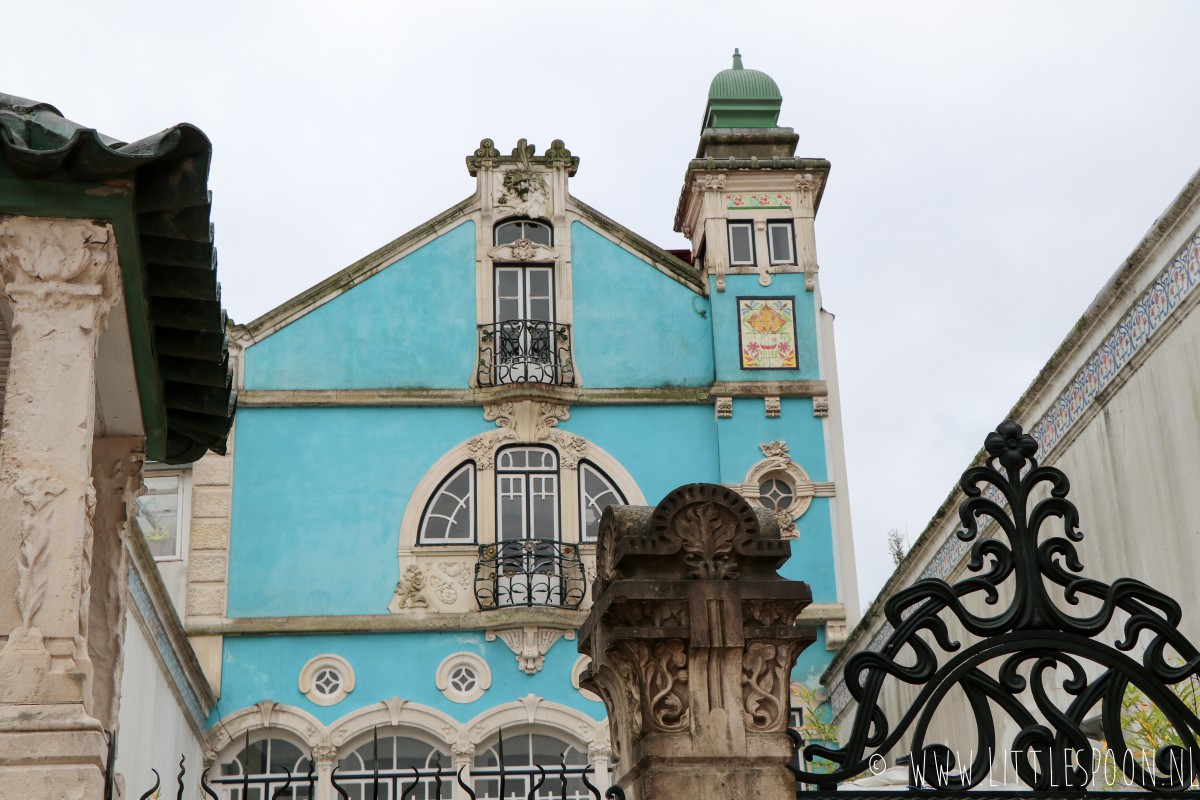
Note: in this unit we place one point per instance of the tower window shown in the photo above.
(781, 243)
(741, 243)
(536, 232)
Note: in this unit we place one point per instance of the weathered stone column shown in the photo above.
(692, 637)
(61, 278)
(117, 475)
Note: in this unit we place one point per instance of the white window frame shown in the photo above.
(526, 476)
(584, 498)
(524, 223)
(184, 499)
(748, 226)
(442, 487)
(776, 258)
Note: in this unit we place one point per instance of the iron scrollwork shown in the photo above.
(1021, 649)
(525, 351)
(529, 572)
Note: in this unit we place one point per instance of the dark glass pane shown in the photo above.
(741, 244)
(537, 232)
(781, 244)
(508, 232)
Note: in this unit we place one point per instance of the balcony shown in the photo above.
(525, 351)
(533, 572)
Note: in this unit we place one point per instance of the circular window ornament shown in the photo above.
(780, 485)
(326, 679)
(463, 677)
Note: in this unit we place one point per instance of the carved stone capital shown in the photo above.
(324, 754)
(691, 640)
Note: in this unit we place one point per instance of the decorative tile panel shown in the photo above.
(767, 332)
(783, 200)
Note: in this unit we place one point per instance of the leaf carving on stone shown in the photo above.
(765, 684)
(37, 491)
(663, 673)
(707, 533)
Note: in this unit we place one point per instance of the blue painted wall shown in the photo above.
(634, 326)
(318, 496)
(725, 327)
(389, 665)
(411, 325)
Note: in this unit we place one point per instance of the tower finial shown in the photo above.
(737, 59)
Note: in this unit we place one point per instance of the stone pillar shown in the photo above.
(117, 475)
(325, 759)
(61, 278)
(692, 638)
(463, 751)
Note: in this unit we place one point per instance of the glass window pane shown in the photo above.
(544, 502)
(780, 238)
(741, 243)
(451, 514)
(508, 232)
(158, 515)
(538, 232)
(539, 283)
(597, 494)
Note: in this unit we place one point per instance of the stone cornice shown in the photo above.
(328, 398)
(407, 621)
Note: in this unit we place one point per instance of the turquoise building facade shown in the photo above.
(425, 442)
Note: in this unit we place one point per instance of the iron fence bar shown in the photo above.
(153, 789)
(110, 767)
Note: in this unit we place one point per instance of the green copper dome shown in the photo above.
(742, 98)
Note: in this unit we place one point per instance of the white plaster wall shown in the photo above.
(154, 728)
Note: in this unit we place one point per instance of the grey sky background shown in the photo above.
(993, 163)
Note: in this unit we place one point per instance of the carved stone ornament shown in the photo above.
(776, 449)
(724, 407)
(530, 643)
(772, 407)
(523, 250)
(531, 422)
(410, 590)
(691, 639)
(820, 406)
(324, 753)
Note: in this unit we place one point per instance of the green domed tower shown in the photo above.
(742, 98)
(748, 207)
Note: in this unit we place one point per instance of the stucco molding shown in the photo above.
(523, 250)
(266, 715)
(530, 643)
(446, 680)
(777, 462)
(444, 570)
(311, 671)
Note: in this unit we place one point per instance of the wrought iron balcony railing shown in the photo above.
(525, 351)
(532, 572)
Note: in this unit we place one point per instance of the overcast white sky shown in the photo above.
(993, 163)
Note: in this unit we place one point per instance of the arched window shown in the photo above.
(395, 755)
(527, 494)
(523, 753)
(258, 770)
(450, 516)
(512, 230)
(596, 493)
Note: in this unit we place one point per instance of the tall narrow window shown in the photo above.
(526, 333)
(741, 243)
(162, 512)
(596, 493)
(526, 494)
(781, 243)
(450, 516)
